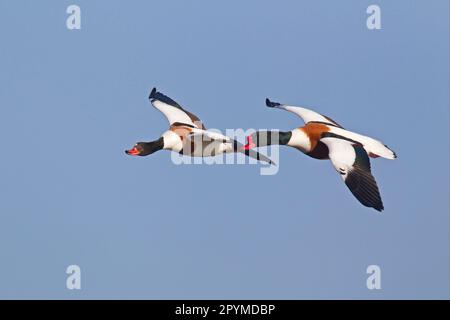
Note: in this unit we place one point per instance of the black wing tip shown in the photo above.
(379, 207)
(267, 160)
(156, 95)
(272, 104)
(153, 93)
(364, 187)
(374, 204)
(393, 152)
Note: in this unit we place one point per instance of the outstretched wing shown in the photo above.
(173, 111)
(351, 160)
(229, 145)
(306, 114)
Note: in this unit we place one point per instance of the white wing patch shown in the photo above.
(342, 154)
(173, 114)
(307, 115)
(173, 111)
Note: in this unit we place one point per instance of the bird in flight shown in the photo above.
(323, 138)
(187, 135)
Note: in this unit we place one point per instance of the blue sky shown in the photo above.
(73, 100)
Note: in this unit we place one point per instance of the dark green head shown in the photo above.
(146, 148)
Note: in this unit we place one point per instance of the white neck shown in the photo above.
(300, 140)
(172, 141)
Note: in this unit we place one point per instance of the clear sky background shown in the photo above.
(73, 101)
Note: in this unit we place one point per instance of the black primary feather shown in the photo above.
(361, 182)
(272, 104)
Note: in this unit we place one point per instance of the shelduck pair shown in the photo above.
(320, 138)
